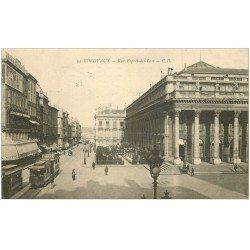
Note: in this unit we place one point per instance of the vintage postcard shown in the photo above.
(124, 123)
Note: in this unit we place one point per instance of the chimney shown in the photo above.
(162, 74)
(185, 68)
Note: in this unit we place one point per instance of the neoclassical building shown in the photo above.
(109, 126)
(198, 114)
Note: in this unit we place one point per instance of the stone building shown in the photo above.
(78, 132)
(109, 126)
(197, 114)
(42, 114)
(18, 113)
(52, 124)
(63, 130)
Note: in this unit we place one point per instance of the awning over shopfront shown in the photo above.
(34, 122)
(19, 114)
(11, 152)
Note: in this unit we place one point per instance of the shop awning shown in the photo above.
(27, 149)
(34, 122)
(19, 114)
(11, 152)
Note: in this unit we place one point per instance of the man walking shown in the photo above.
(51, 180)
(93, 165)
(73, 175)
(192, 171)
(106, 170)
(235, 167)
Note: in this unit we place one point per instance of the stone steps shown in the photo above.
(168, 168)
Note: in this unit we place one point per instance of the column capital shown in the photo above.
(217, 113)
(197, 113)
(177, 113)
(236, 114)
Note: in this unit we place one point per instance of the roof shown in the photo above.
(205, 68)
(112, 111)
(39, 163)
(50, 156)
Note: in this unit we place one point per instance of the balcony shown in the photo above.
(179, 94)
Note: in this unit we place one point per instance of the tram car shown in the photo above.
(55, 162)
(40, 172)
(12, 180)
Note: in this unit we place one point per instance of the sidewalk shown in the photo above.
(223, 168)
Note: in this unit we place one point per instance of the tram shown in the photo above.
(41, 171)
(12, 180)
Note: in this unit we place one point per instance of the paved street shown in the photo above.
(134, 181)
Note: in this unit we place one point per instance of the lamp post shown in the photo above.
(154, 161)
(155, 173)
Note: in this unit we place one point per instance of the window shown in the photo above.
(100, 123)
(121, 124)
(107, 123)
(9, 96)
(114, 124)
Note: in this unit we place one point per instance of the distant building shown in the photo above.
(109, 126)
(198, 114)
(42, 113)
(78, 132)
(52, 124)
(62, 128)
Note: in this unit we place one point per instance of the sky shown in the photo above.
(80, 80)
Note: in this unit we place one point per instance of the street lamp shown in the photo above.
(154, 161)
(155, 173)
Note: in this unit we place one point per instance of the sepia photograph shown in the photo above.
(124, 123)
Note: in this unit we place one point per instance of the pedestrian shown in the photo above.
(64, 152)
(51, 180)
(235, 167)
(93, 165)
(73, 175)
(106, 170)
(192, 171)
(187, 168)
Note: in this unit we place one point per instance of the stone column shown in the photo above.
(177, 159)
(243, 141)
(226, 142)
(196, 157)
(247, 143)
(166, 135)
(216, 159)
(236, 138)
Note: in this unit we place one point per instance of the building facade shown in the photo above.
(198, 114)
(78, 132)
(63, 129)
(52, 124)
(42, 114)
(17, 117)
(109, 126)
